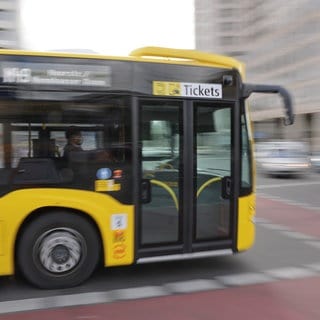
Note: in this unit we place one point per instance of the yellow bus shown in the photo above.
(162, 166)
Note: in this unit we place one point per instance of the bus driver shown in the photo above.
(75, 140)
(74, 137)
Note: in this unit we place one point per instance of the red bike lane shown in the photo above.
(296, 299)
(283, 300)
(297, 218)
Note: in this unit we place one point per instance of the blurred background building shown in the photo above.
(9, 24)
(279, 41)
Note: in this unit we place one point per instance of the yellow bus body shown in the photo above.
(18, 206)
(246, 225)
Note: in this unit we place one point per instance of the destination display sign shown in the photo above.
(56, 74)
(187, 89)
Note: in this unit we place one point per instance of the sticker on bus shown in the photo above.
(119, 251)
(187, 89)
(119, 221)
(106, 185)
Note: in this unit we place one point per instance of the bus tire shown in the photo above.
(58, 249)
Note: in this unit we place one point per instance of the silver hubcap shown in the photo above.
(60, 250)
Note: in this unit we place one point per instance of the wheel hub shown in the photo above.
(60, 254)
(60, 250)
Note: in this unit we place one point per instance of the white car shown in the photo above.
(283, 158)
(315, 161)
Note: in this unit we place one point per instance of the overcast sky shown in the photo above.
(113, 27)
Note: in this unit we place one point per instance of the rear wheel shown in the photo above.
(58, 250)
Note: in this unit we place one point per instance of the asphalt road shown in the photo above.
(303, 191)
(279, 252)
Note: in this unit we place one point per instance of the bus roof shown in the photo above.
(188, 56)
(152, 71)
(148, 54)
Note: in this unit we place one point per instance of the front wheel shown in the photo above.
(58, 250)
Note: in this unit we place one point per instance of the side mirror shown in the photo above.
(247, 89)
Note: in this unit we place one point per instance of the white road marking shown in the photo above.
(290, 202)
(300, 236)
(292, 184)
(315, 244)
(291, 273)
(139, 293)
(314, 266)
(54, 302)
(242, 279)
(277, 227)
(216, 283)
(193, 286)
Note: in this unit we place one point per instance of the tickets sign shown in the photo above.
(187, 89)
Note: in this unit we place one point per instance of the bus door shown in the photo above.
(212, 171)
(186, 162)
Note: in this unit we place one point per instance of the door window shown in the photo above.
(213, 166)
(160, 133)
(246, 162)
